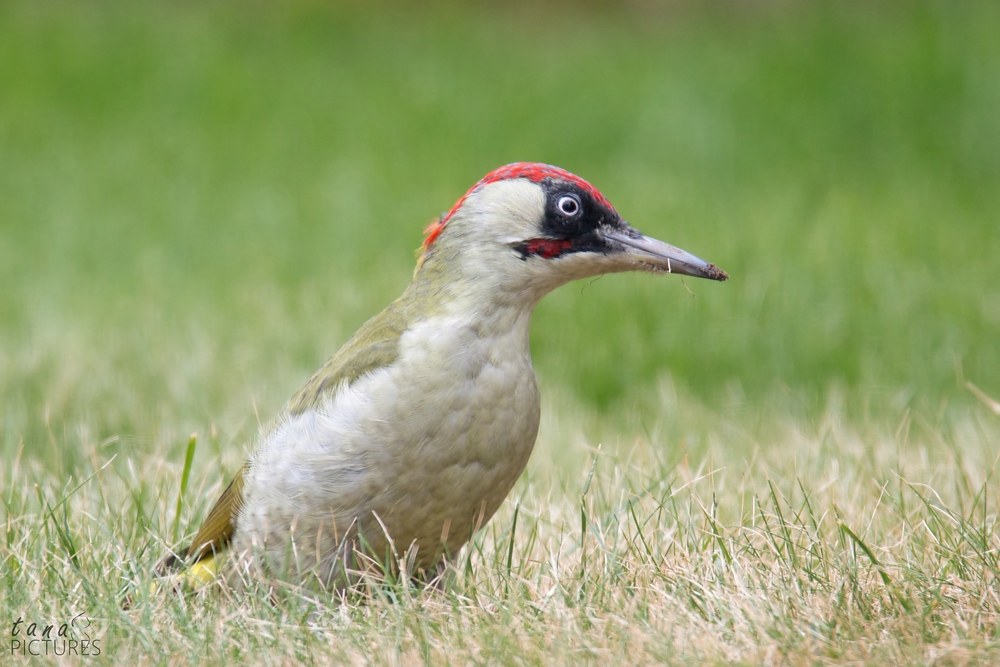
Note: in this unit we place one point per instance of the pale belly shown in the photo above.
(421, 453)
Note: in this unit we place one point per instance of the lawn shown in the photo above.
(199, 202)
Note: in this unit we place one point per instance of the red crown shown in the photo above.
(535, 172)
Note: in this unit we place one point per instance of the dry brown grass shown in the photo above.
(833, 544)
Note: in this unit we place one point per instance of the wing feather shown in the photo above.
(217, 529)
(374, 346)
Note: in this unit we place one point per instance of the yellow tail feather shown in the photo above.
(197, 576)
(201, 573)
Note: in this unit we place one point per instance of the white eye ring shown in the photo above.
(568, 205)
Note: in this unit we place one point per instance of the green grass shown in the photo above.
(200, 203)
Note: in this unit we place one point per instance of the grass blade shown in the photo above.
(188, 458)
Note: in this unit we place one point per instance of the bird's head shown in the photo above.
(527, 228)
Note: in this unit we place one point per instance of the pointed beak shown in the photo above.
(649, 253)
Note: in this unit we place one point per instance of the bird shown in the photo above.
(411, 436)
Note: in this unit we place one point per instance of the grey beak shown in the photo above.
(661, 256)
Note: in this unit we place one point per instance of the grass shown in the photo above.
(199, 203)
(824, 544)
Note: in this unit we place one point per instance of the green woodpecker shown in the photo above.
(411, 436)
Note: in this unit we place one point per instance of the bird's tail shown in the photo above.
(175, 574)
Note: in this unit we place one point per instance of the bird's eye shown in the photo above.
(568, 205)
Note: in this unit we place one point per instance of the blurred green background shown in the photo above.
(200, 202)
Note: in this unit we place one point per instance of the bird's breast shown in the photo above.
(431, 444)
(476, 392)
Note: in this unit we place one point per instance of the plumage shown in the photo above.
(414, 432)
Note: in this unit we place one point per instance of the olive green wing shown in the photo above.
(374, 346)
(217, 529)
